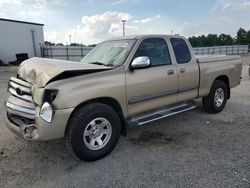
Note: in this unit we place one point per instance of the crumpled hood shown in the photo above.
(41, 71)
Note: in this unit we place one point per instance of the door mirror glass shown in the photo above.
(141, 63)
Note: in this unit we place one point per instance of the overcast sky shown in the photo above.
(91, 21)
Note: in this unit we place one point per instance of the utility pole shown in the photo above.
(123, 27)
(69, 39)
(172, 32)
(75, 33)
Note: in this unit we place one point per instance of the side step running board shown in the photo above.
(163, 113)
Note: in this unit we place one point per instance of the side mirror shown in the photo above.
(140, 63)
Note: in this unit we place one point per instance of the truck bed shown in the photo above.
(215, 58)
(213, 66)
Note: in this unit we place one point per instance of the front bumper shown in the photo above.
(39, 129)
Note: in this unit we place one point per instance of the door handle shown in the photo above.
(182, 70)
(170, 72)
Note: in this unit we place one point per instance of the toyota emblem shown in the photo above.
(19, 91)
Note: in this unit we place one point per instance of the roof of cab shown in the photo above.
(131, 37)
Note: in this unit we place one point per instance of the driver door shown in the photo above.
(154, 87)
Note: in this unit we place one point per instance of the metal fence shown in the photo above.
(72, 53)
(76, 53)
(224, 50)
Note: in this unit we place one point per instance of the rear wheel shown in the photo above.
(93, 131)
(217, 98)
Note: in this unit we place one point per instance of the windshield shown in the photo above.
(109, 53)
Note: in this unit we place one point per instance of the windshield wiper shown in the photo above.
(100, 63)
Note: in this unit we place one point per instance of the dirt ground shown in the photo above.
(193, 149)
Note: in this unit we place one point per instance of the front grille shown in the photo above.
(20, 103)
(20, 89)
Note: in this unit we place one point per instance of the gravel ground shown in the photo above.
(193, 149)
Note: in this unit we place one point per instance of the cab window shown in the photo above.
(181, 50)
(157, 51)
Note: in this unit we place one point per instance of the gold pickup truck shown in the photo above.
(129, 81)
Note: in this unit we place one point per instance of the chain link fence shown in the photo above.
(71, 53)
(223, 50)
(76, 53)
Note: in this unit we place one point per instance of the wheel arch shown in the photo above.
(104, 100)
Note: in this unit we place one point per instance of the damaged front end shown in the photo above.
(31, 114)
(29, 111)
(21, 110)
(24, 104)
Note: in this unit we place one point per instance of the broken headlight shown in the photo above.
(42, 95)
(46, 112)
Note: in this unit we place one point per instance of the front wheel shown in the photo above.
(93, 131)
(217, 98)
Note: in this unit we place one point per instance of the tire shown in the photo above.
(211, 103)
(90, 124)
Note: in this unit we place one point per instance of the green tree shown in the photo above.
(48, 43)
(74, 44)
(226, 39)
(241, 36)
(202, 41)
(59, 44)
(248, 37)
(193, 41)
(92, 45)
(213, 40)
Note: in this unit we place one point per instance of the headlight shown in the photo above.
(46, 112)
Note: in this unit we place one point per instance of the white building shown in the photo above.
(19, 37)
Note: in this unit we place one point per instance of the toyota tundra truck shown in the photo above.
(129, 81)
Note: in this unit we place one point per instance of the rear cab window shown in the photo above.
(181, 50)
(157, 51)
